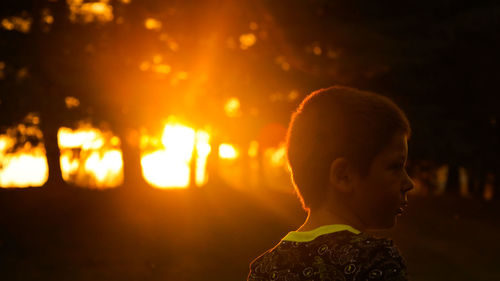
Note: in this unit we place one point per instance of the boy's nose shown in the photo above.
(408, 185)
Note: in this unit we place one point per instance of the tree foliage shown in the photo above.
(133, 63)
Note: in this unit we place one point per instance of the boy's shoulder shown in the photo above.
(339, 256)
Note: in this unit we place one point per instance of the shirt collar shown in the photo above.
(306, 236)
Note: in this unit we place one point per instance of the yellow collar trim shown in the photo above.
(306, 236)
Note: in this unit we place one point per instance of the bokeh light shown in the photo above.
(152, 24)
(87, 12)
(232, 107)
(228, 151)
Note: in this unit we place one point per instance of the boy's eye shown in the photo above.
(397, 166)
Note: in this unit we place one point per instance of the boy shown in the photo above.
(347, 153)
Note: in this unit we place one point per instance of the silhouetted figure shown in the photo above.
(347, 150)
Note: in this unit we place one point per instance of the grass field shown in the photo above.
(213, 233)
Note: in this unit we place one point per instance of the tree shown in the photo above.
(134, 64)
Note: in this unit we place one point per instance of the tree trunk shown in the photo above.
(132, 171)
(213, 163)
(49, 131)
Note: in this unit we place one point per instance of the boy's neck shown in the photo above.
(320, 217)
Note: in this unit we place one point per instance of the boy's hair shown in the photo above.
(338, 122)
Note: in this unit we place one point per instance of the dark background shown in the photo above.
(437, 59)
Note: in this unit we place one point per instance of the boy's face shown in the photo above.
(382, 194)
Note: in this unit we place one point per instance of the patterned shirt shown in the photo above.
(330, 252)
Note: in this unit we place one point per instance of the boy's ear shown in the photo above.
(339, 175)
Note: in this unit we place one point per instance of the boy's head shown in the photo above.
(339, 122)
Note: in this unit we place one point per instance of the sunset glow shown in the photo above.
(90, 157)
(253, 149)
(169, 166)
(23, 168)
(202, 151)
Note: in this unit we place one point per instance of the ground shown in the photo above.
(213, 233)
